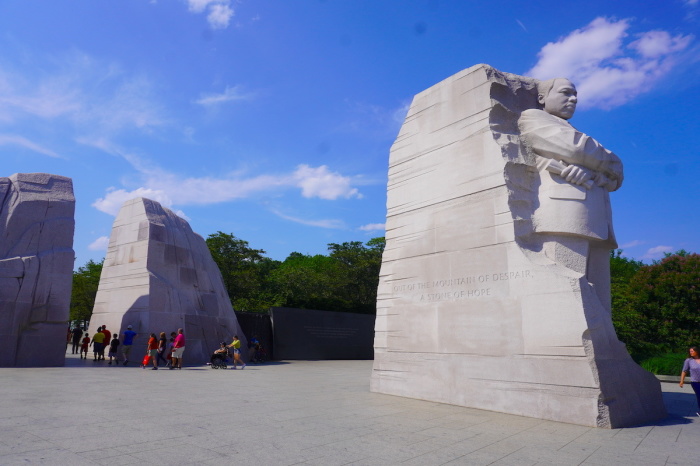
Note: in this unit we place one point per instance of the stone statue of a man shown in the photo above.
(573, 218)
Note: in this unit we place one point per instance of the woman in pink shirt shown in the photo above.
(178, 349)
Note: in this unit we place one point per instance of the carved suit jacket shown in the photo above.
(565, 207)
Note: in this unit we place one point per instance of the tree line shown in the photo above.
(345, 279)
(655, 307)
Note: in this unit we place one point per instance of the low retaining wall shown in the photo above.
(311, 334)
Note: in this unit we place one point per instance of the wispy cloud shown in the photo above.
(326, 223)
(230, 94)
(14, 140)
(219, 12)
(521, 25)
(100, 244)
(172, 189)
(374, 119)
(92, 95)
(373, 227)
(607, 71)
(632, 244)
(657, 252)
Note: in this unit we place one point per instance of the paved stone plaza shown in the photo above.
(298, 412)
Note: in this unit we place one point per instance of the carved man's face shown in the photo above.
(561, 100)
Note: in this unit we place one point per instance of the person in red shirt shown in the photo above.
(85, 343)
(152, 351)
(108, 339)
(178, 349)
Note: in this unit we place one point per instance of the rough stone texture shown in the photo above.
(36, 263)
(159, 276)
(470, 310)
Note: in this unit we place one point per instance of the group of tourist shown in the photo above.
(157, 348)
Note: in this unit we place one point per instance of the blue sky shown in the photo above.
(273, 120)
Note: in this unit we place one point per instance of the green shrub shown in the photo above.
(665, 364)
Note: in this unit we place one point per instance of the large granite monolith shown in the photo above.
(36, 264)
(159, 276)
(494, 287)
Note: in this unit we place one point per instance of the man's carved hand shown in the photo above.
(575, 174)
(605, 182)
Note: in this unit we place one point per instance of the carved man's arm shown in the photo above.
(551, 137)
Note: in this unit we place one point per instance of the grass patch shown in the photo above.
(664, 364)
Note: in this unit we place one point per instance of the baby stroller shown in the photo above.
(218, 359)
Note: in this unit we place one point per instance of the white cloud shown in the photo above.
(373, 227)
(198, 6)
(219, 11)
(173, 189)
(11, 139)
(607, 73)
(93, 96)
(229, 94)
(657, 252)
(181, 214)
(328, 223)
(100, 244)
(654, 44)
(113, 200)
(632, 244)
(322, 183)
(219, 16)
(399, 114)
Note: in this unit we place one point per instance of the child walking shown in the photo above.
(113, 348)
(84, 345)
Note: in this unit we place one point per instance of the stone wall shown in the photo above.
(36, 264)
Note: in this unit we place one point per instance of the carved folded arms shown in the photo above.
(584, 159)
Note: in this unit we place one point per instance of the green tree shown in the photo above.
(359, 267)
(85, 282)
(244, 271)
(660, 309)
(308, 282)
(622, 269)
(345, 280)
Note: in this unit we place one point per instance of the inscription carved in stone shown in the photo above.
(492, 291)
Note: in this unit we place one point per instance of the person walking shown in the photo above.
(692, 366)
(97, 343)
(108, 340)
(236, 346)
(162, 347)
(152, 351)
(171, 349)
(178, 349)
(113, 350)
(85, 344)
(77, 335)
(127, 343)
